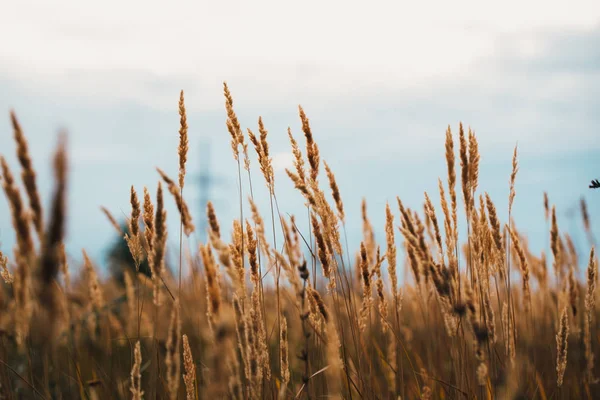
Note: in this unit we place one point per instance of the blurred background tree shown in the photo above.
(119, 258)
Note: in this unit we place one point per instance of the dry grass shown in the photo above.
(237, 327)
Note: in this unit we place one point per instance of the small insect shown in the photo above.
(595, 184)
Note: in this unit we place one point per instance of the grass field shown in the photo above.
(262, 314)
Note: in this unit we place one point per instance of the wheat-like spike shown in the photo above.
(136, 374)
(509, 336)
(284, 352)
(229, 256)
(96, 296)
(573, 291)
(572, 252)
(329, 222)
(411, 237)
(433, 218)
(291, 246)
(24, 253)
(254, 370)
(464, 169)
(366, 284)
(50, 259)
(212, 219)
(391, 250)
(256, 142)
(312, 151)
(585, 216)
(157, 260)
(448, 230)
(22, 291)
(554, 243)
(112, 220)
(148, 218)
(524, 266)
(260, 229)
(302, 187)
(474, 158)
(383, 306)
(182, 149)
(252, 255)
(489, 317)
(173, 353)
(186, 217)
(423, 247)
(428, 224)
(18, 212)
(28, 174)
(237, 252)
(496, 233)
(134, 241)
(513, 176)
(368, 232)
(335, 192)
(213, 286)
(315, 296)
(233, 125)
(451, 165)
(261, 343)
(24, 301)
(298, 159)
(134, 226)
(323, 250)
(189, 378)
(562, 346)
(546, 206)
(299, 178)
(411, 244)
(592, 275)
(542, 270)
(264, 160)
(266, 163)
(488, 252)
(53, 238)
(6, 275)
(407, 220)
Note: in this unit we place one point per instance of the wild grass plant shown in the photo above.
(298, 314)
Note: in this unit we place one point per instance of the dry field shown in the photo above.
(253, 314)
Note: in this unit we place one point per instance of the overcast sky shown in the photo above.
(380, 82)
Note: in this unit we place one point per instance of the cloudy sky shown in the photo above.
(380, 82)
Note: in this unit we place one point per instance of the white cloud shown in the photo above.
(283, 161)
(114, 154)
(277, 48)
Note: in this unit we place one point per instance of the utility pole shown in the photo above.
(206, 180)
